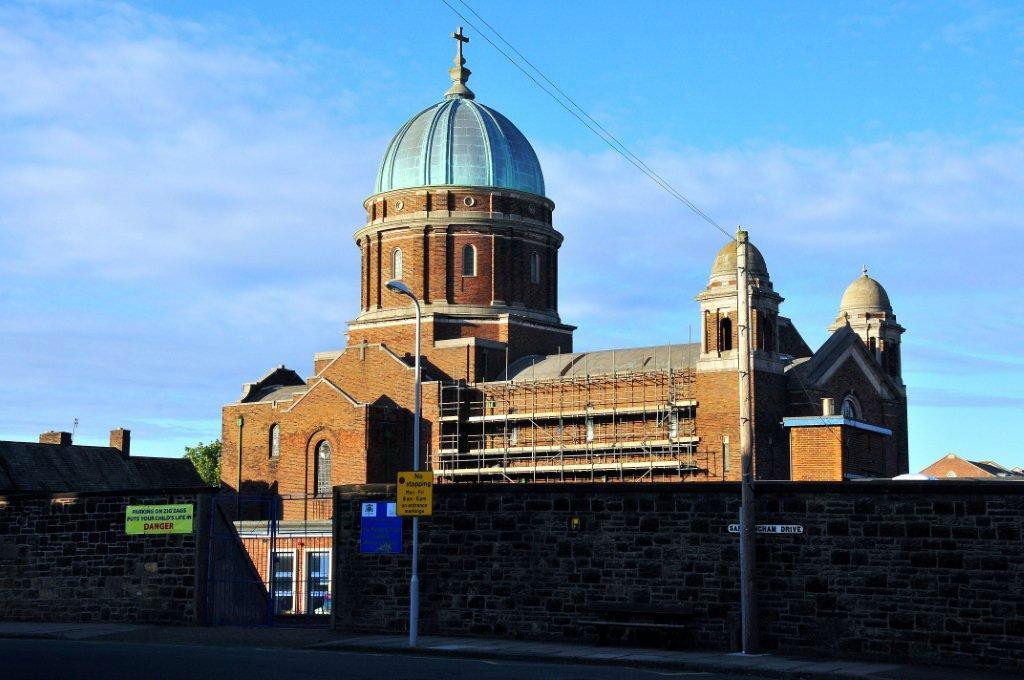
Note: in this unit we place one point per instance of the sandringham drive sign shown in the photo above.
(158, 519)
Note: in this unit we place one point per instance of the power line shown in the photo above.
(595, 126)
(582, 116)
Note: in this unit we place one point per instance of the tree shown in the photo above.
(206, 459)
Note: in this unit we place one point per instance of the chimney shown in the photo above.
(828, 407)
(52, 437)
(121, 439)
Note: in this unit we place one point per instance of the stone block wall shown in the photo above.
(68, 559)
(931, 572)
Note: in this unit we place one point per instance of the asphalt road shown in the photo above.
(41, 659)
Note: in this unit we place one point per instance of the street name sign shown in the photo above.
(380, 529)
(158, 519)
(415, 493)
(771, 528)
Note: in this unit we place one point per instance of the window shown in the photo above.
(318, 582)
(282, 581)
(534, 268)
(851, 409)
(673, 425)
(725, 335)
(396, 263)
(725, 453)
(323, 467)
(951, 474)
(590, 429)
(767, 333)
(275, 441)
(469, 261)
(513, 436)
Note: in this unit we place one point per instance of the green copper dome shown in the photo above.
(460, 142)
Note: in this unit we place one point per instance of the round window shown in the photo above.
(469, 200)
(399, 205)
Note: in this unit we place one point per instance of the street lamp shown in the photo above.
(397, 286)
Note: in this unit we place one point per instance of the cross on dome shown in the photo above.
(459, 72)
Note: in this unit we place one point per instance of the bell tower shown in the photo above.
(719, 325)
(865, 307)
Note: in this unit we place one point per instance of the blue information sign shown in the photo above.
(380, 529)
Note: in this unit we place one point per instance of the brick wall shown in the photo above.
(70, 560)
(922, 571)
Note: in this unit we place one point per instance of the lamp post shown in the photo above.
(397, 286)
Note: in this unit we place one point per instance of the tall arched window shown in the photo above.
(323, 467)
(275, 441)
(396, 263)
(468, 261)
(534, 268)
(725, 335)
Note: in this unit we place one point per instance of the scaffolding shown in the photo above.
(618, 426)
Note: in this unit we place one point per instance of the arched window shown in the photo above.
(396, 263)
(534, 268)
(851, 409)
(468, 261)
(725, 335)
(275, 441)
(323, 467)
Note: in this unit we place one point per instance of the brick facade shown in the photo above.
(928, 572)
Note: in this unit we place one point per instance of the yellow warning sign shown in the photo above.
(158, 519)
(415, 493)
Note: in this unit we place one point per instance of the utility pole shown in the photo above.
(748, 602)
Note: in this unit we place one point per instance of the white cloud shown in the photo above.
(176, 211)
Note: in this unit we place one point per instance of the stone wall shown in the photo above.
(68, 559)
(923, 571)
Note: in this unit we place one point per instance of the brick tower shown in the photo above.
(717, 376)
(459, 215)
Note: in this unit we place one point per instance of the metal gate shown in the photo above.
(270, 560)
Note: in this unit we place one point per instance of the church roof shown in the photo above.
(460, 142)
(604, 362)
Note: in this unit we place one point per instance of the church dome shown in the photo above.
(459, 142)
(725, 261)
(865, 294)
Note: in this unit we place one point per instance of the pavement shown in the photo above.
(325, 640)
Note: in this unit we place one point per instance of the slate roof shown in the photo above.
(995, 469)
(604, 362)
(51, 468)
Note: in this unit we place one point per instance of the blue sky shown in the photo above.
(180, 184)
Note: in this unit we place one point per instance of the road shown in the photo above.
(63, 659)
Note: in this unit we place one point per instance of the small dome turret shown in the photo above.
(864, 295)
(725, 261)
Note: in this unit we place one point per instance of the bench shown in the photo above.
(640, 624)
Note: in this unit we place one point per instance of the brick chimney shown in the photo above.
(121, 439)
(53, 437)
